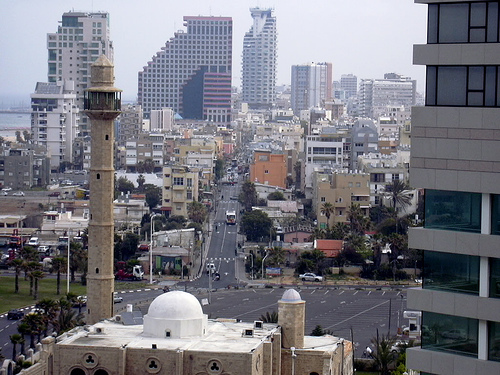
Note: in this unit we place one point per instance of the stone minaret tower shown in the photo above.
(291, 318)
(102, 105)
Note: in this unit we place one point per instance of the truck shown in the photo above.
(136, 274)
(230, 217)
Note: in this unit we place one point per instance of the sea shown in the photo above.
(10, 122)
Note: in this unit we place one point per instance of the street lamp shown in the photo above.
(67, 270)
(151, 218)
(263, 260)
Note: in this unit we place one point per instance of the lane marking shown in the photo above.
(356, 315)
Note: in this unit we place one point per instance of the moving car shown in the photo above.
(55, 194)
(3, 193)
(15, 314)
(117, 298)
(18, 194)
(33, 241)
(43, 248)
(310, 277)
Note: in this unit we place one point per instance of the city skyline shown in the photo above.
(368, 39)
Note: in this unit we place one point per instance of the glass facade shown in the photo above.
(495, 278)
(451, 272)
(494, 341)
(449, 333)
(495, 214)
(453, 210)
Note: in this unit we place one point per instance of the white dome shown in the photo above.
(175, 305)
(291, 295)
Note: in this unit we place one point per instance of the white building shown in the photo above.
(311, 85)
(258, 80)
(162, 119)
(54, 120)
(80, 39)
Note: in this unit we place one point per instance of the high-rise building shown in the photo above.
(192, 73)
(455, 158)
(349, 83)
(80, 39)
(393, 89)
(258, 80)
(129, 124)
(54, 120)
(311, 85)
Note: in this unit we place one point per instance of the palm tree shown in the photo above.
(15, 339)
(359, 222)
(31, 267)
(37, 275)
(18, 266)
(270, 317)
(399, 193)
(197, 212)
(35, 326)
(58, 265)
(23, 330)
(50, 308)
(327, 209)
(383, 355)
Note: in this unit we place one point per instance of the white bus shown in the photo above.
(230, 217)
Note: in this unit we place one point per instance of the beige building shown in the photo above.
(177, 338)
(180, 187)
(341, 190)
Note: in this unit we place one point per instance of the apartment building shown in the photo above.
(24, 167)
(341, 190)
(258, 73)
(80, 39)
(180, 187)
(455, 158)
(129, 124)
(311, 85)
(269, 168)
(54, 120)
(191, 74)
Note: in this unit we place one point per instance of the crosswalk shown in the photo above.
(227, 260)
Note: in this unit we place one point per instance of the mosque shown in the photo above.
(175, 337)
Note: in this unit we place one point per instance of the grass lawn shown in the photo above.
(46, 289)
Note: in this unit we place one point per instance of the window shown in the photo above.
(189, 182)
(495, 214)
(453, 210)
(463, 23)
(495, 278)
(494, 341)
(448, 333)
(266, 171)
(451, 272)
(323, 199)
(470, 86)
(179, 181)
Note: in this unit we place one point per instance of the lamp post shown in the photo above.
(151, 218)
(67, 270)
(263, 260)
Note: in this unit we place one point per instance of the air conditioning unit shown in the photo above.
(99, 330)
(258, 324)
(248, 333)
(118, 318)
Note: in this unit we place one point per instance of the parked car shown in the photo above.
(80, 301)
(3, 193)
(117, 298)
(7, 189)
(15, 314)
(33, 241)
(398, 346)
(55, 194)
(18, 194)
(310, 277)
(43, 248)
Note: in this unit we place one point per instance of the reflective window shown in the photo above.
(451, 272)
(494, 341)
(448, 333)
(475, 22)
(453, 210)
(495, 278)
(495, 214)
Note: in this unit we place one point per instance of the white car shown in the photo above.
(33, 241)
(43, 248)
(3, 192)
(310, 277)
(117, 298)
(7, 189)
(18, 194)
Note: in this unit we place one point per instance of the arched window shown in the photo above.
(101, 372)
(77, 371)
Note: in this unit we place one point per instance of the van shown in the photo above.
(210, 268)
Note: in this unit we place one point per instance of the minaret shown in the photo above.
(291, 318)
(102, 105)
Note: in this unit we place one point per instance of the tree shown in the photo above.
(276, 196)
(23, 330)
(399, 193)
(383, 355)
(248, 195)
(26, 135)
(125, 248)
(317, 331)
(78, 261)
(36, 275)
(59, 264)
(140, 183)
(124, 185)
(153, 195)
(311, 261)
(358, 221)
(32, 267)
(256, 225)
(50, 308)
(35, 324)
(18, 266)
(19, 138)
(149, 166)
(219, 169)
(339, 231)
(15, 339)
(327, 209)
(276, 256)
(197, 212)
(270, 317)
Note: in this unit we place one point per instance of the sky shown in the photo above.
(364, 37)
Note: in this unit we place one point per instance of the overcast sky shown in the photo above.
(364, 37)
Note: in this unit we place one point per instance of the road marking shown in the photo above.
(341, 292)
(370, 292)
(342, 302)
(356, 292)
(272, 290)
(328, 291)
(246, 299)
(383, 293)
(314, 291)
(147, 290)
(356, 315)
(323, 302)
